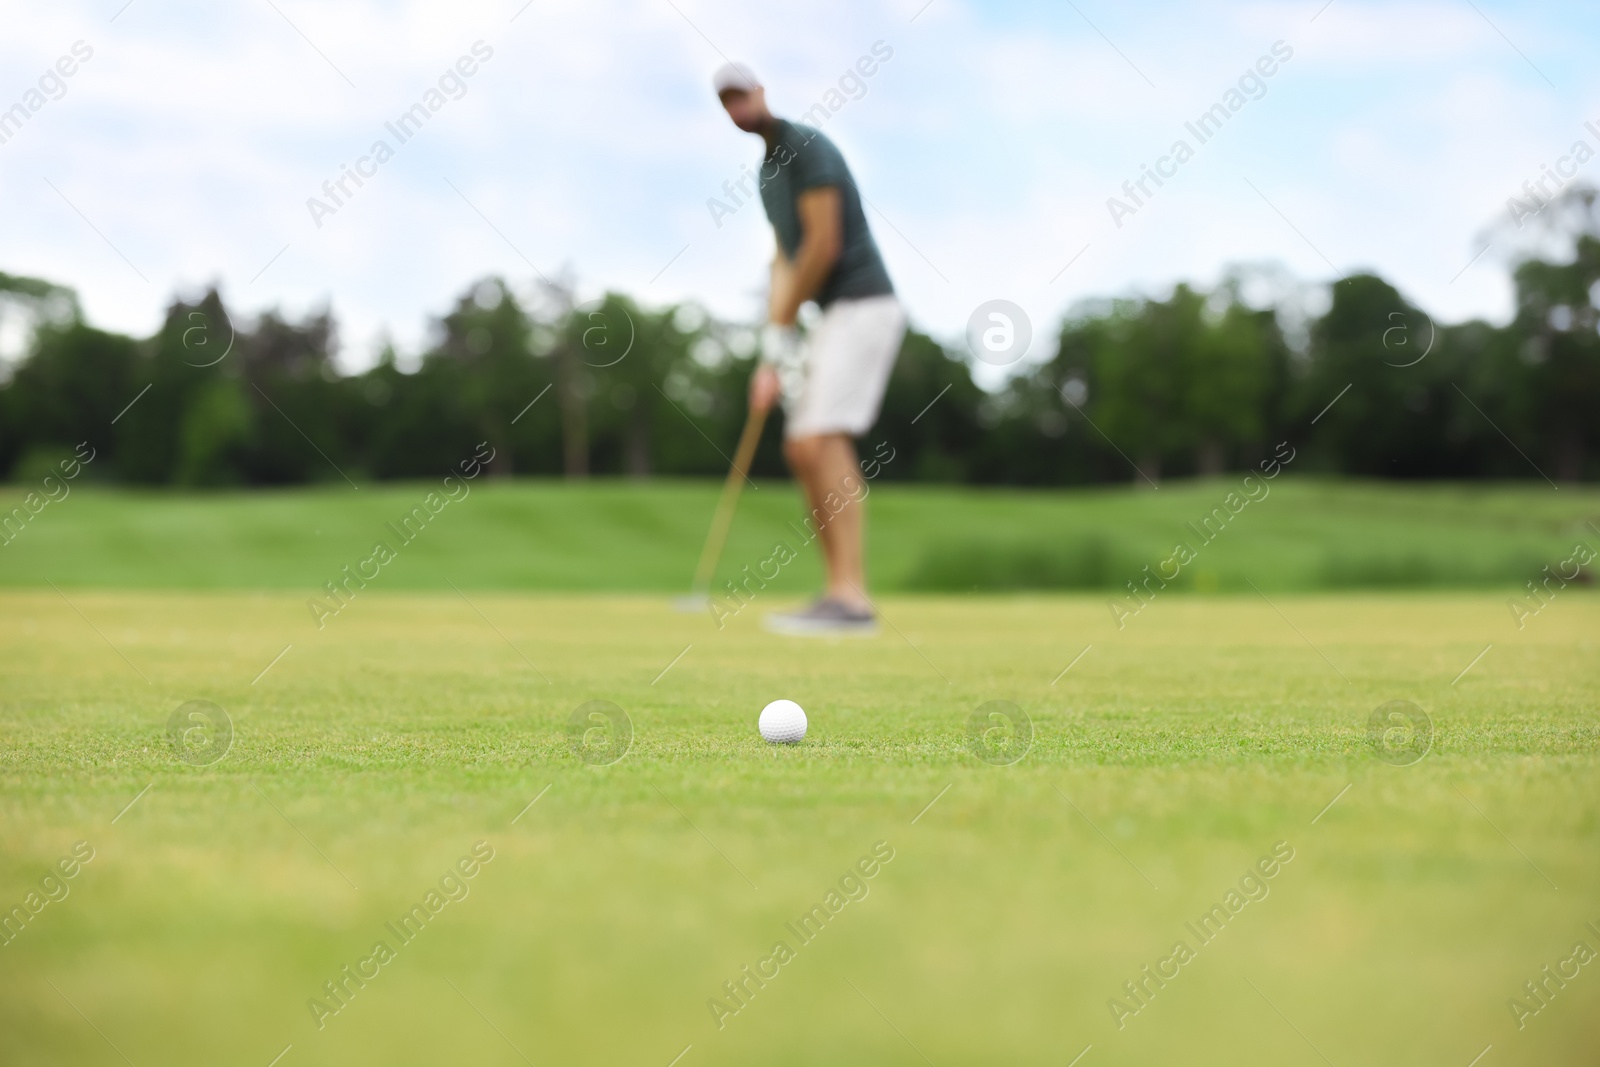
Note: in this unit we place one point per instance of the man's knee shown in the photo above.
(802, 452)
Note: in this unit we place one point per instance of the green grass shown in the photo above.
(619, 536)
(1173, 755)
(370, 754)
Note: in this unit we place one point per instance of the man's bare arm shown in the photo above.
(821, 241)
(779, 284)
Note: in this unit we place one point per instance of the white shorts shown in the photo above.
(843, 367)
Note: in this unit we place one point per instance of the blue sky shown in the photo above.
(184, 150)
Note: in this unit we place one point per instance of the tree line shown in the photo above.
(1198, 382)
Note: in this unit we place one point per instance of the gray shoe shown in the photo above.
(825, 618)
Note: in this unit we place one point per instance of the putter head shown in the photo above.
(692, 604)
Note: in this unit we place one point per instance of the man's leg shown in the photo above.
(830, 473)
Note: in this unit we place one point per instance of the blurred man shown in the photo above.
(832, 380)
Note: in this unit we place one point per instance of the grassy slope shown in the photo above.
(619, 536)
(1188, 743)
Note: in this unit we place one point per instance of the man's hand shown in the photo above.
(780, 349)
(763, 388)
(779, 344)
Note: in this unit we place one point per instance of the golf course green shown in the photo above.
(289, 883)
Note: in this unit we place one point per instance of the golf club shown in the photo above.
(700, 592)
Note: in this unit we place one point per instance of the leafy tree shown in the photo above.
(1235, 367)
(1370, 428)
(71, 388)
(1557, 320)
(1196, 381)
(929, 417)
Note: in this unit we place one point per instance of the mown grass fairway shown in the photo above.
(1171, 757)
(616, 536)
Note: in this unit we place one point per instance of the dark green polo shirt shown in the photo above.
(802, 158)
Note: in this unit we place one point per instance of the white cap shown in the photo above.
(734, 76)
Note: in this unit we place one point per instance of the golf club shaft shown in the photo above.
(729, 500)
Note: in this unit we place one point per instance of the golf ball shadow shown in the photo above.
(1400, 733)
(201, 732)
(599, 733)
(999, 733)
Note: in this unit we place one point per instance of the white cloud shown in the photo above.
(591, 141)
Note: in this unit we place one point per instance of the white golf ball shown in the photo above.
(783, 722)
